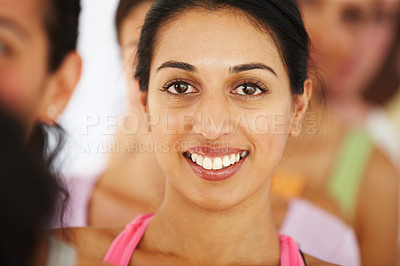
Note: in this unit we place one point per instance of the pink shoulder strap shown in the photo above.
(290, 252)
(122, 248)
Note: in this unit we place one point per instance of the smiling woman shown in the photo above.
(227, 81)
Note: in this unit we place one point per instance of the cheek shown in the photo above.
(268, 152)
(270, 118)
(268, 123)
(378, 46)
(268, 131)
(168, 142)
(14, 93)
(20, 90)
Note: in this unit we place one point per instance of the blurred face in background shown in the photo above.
(377, 41)
(129, 40)
(334, 27)
(23, 57)
(351, 40)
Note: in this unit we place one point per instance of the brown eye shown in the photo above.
(180, 87)
(249, 90)
(353, 16)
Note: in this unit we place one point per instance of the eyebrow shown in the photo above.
(232, 70)
(179, 65)
(251, 66)
(13, 26)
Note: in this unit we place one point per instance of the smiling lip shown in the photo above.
(215, 175)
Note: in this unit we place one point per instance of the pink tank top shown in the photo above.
(122, 248)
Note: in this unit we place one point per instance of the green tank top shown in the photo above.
(348, 171)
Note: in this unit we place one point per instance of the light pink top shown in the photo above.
(123, 247)
(321, 234)
(81, 191)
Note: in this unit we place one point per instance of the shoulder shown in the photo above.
(315, 262)
(379, 189)
(92, 243)
(381, 178)
(378, 210)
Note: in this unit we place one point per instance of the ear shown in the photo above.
(60, 87)
(143, 95)
(300, 108)
(142, 98)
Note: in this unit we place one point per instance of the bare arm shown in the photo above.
(377, 212)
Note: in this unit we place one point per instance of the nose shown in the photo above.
(213, 119)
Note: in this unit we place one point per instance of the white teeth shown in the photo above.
(199, 161)
(226, 161)
(233, 159)
(194, 157)
(217, 164)
(207, 163)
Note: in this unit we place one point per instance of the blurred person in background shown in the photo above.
(384, 123)
(133, 182)
(39, 69)
(393, 106)
(344, 170)
(386, 91)
(31, 198)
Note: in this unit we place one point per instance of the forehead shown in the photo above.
(215, 38)
(132, 24)
(24, 14)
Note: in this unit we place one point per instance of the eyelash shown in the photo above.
(253, 83)
(174, 82)
(248, 83)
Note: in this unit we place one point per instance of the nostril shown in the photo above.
(212, 126)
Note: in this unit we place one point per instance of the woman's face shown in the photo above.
(23, 57)
(220, 106)
(335, 27)
(130, 35)
(376, 41)
(130, 32)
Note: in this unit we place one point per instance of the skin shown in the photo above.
(333, 50)
(221, 206)
(376, 41)
(303, 156)
(27, 87)
(376, 215)
(23, 96)
(120, 195)
(350, 54)
(235, 210)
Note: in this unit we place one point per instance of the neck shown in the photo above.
(351, 109)
(220, 237)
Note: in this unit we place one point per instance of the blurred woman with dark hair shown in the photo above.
(39, 69)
